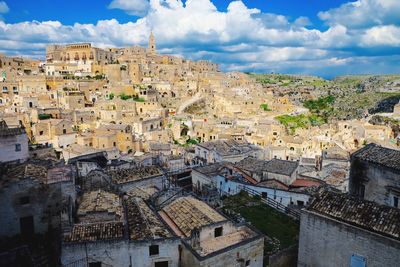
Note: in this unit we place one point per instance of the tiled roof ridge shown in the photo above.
(362, 213)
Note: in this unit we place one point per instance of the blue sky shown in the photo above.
(318, 37)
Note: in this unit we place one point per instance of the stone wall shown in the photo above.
(41, 203)
(376, 179)
(123, 252)
(231, 256)
(284, 258)
(8, 148)
(329, 243)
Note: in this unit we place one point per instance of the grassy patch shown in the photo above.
(265, 107)
(270, 222)
(294, 122)
(123, 96)
(139, 99)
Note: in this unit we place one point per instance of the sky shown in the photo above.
(314, 37)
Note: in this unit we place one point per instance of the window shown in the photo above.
(300, 203)
(24, 200)
(247, 263)
(218, 231)
(17, 147)
(41, 133)
(361, 191)
(357, 261)
(395, 201)
(153, 250)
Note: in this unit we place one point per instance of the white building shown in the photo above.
(13, 143)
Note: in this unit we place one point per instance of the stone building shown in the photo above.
(139, 239)
(34, 197)
(209, 239)
(226, 150)
(56, 132)
(126, 179)
(252, 175)
(375, 175)
(337, 230)
(71, 99)
(13, 143)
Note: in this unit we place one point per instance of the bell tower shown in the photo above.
(152, 45)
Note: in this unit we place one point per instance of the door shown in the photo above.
(27, 226)
(161, 264)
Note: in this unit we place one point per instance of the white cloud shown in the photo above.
(131, 7)
(238, 38)
(363, 13)
(3, 7)
(382, 36)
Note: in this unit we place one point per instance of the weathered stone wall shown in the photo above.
(329, 243)
(284, 258)
(376, 179)
(252, 251)
(44, 205)
(7, 148)
(123, 253)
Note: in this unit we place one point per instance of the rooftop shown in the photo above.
(187, 213)
(143, 222)
(24, 171)
(379, 155)
(59, 174)
(96, 232)
(228, 147)
(253, 165)
(142, 192)
(6, 131)
(361, 213)
(284, 167)
(129, 175)
(210, 170)
(211, 245)
(100, 201)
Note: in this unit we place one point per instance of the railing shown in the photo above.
(273, 203)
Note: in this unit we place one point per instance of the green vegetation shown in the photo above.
(321, 104)
(294, 122)
(123, 96)
(321, 109)
(169, 125)
(281, 230)
(191, 141)
(111, 96)
(44, 116)
(265, 107)
(139, 99)
(267, 79)
(123, 67)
